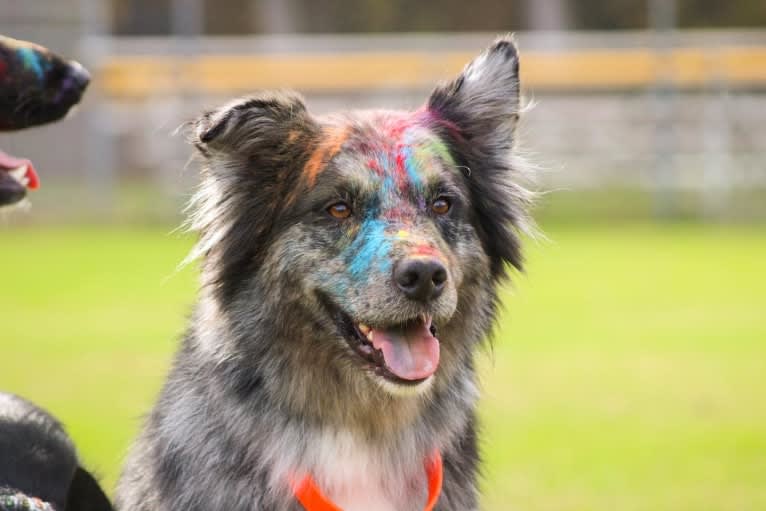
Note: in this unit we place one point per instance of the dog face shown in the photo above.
(386, 216)
(384, 228)
(36, 86)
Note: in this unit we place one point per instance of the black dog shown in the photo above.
(38, 463)
(36, 87)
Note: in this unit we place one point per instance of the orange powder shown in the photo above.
(327, 148)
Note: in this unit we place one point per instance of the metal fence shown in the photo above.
(613, 110)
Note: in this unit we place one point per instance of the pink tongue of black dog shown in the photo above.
(411, 353)
(10, 163)
(16, 176)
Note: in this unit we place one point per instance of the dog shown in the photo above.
(349, 273)
(36, 87)
(39, 470)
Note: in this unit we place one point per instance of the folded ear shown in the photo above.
(253, 151)
(253, 126)
(477, 115)
(483, 102)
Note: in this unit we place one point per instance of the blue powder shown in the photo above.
(370, 245)
(31, 61)
(411, 165)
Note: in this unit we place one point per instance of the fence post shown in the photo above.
(662, 20)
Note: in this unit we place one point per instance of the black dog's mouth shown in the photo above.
(406, 353)
(16, 176)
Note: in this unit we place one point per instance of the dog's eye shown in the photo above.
(340, 210)
(441, 206)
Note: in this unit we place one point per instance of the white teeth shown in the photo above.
(364, 328)
(20, 174)
(370, 335)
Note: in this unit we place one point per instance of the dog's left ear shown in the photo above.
(253, 149)
(259, 127)
(483, 102)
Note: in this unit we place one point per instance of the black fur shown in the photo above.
(38, 459)
(36, 87)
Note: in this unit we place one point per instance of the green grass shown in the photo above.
(628, 369)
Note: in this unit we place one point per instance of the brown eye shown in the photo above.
(440, 206)
(340, 210)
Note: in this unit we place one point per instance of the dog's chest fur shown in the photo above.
(358, 478)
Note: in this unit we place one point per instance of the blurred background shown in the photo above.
(628, 368)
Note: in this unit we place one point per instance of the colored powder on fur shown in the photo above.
(325, 151)
(31, 61)
(425, 250)
(438, 148)
(416, 155)
(400, 164)
(374, 166)
(409, 151)
(433, 119)
(371, 244)
(426, 151)
(411, 165)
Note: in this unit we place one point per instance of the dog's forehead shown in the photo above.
(374, 148)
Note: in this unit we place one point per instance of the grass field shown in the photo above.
(628, 370)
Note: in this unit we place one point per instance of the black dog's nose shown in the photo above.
(420, 279)
(79, 75)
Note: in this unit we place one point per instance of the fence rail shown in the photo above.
(140, 76)
(676, 116)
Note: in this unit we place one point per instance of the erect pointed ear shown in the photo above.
(85, 494)
(253, 126)
(477, 115)
(483, 102)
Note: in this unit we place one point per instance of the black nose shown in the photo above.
(420, 279)
(79, 74)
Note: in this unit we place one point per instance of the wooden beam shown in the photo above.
(142, 76)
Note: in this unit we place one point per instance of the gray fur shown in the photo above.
(264, 384)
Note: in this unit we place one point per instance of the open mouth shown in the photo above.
(19, 169)
(405, 353)
(17, 175)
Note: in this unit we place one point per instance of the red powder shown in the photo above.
(425, 250)
(373, 165)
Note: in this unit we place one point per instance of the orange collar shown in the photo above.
(312, 499)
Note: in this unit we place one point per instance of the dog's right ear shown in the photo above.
(480, 109)
(254, 127)
(85, 494)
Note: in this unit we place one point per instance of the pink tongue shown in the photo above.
(410, 354)
(8, 162)
(11, 162)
